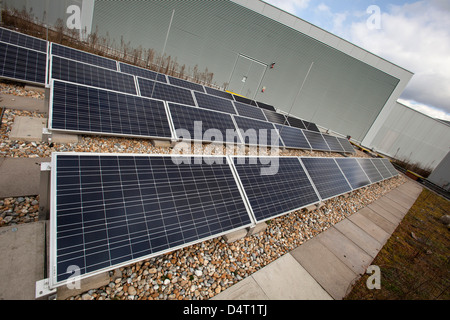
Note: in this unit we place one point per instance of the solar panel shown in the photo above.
(326, 177)
(256, 132)
(114, 210)
(353, 172)
(390, 167)
(370, 170)
(162, 91)
(381, 168)
(333, 143)
(275, 117)
(346, 145)
(274, 185)
(79, 108)
(213, 125)
(22, 64)
(22, 40)
(141, 72)
(293, 137)
(296, 122)
(246, 110)
(242, 99)
(214, 103)
(265, 106)
(311, 126)
(82, 73)
(218, 93)
(316, 140)
(82, 56)
(186, 84)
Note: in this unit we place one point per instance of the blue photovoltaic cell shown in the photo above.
(218, 93)
(81, 56)
(295, 122)
(276, 117)
(274, 185)
(186, 84)
(92, 110)
(292, 137)
(326, 176)
(316, 140)
(167, 92)
(390, 167)
(23, 40)
(82, 73)
(311, 126)
(370, 170)
(246, 110)
(381, 168)
(197, 121)
(353, 172)
(141, 72)
(112, 209)
(211, 102)
(256, 132)
(348, 147)
(333, 143)
(22, 64)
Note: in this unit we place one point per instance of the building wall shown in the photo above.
(347, 90)
(413, 136)
(441, 175)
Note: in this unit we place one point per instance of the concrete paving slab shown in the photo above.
(20, 176)
(361, 238)
(385, 212)
(27, 128)
(327, 269)
(346, 250)
(11, 101)
(392, 207)
(286, 279)
(401, 198)
(370, 227)
(22, 263)
(247, 289)
(377, 219)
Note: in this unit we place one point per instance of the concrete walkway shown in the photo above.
(326, 266)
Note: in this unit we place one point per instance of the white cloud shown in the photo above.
(417, 37)
(430, 111)
(291, 6)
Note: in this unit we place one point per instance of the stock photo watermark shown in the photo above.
(374, 20)
(374, 280)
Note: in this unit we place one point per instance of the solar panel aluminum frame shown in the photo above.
(38, 84)
(201, 140)
(214, 97)
(167, 84)
(372, 160)
(337, 195)
(354, 189)
(52, 272)
(384, 162)
(240, 132)
(84, 52)
(50, 116)
(293, 148)
(278, 214)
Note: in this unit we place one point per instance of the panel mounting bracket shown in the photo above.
(43, 290)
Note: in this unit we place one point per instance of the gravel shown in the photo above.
(200, 271)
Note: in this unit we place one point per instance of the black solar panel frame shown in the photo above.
(232, 192)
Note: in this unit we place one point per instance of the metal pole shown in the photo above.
(163, 52)
(298, 93)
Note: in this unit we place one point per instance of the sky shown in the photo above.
(412, 34)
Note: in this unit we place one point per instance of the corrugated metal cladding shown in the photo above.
(413, 136)
(341, 93)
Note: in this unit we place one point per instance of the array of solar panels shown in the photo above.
(111, 210)
(96, 95)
